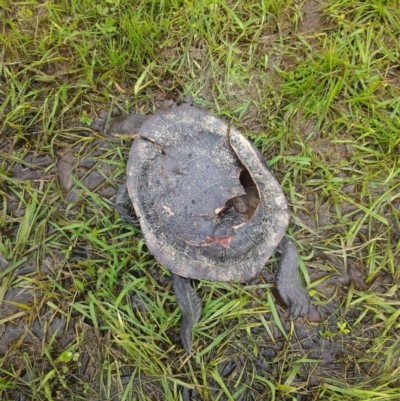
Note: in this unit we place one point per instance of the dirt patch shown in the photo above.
(311, 17)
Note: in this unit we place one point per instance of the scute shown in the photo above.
(183, 171)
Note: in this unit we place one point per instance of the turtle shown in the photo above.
(208, 206)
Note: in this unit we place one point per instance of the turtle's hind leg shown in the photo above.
(288, 280)
(190, 305)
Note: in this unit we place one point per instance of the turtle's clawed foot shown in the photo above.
(99, 123)
(190, 305)
(123, 205)
(296, 298)
(288, 281)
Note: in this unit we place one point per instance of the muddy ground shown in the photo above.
(53, 183)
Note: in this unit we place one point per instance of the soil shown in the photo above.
(317, 338)
(333, 352)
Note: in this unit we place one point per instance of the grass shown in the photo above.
(85, 311)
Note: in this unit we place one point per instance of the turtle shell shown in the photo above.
(208, 206)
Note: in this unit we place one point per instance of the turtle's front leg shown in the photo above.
(288, 280)
(190, 305)
(121, 201)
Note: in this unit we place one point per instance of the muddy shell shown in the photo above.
(208, 206)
